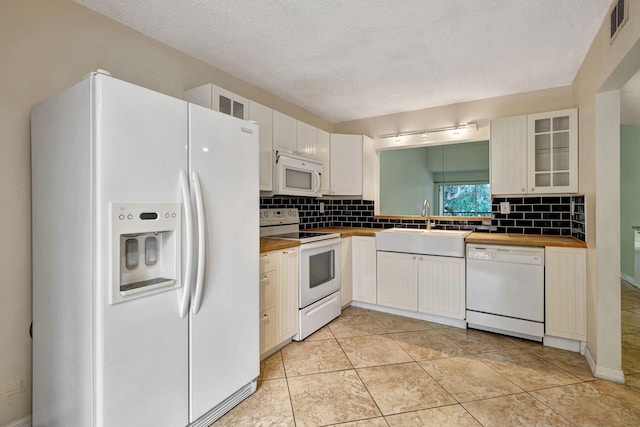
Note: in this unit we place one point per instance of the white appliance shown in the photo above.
(505, 290)
(145, 258)
(296, 175)
(319, 270)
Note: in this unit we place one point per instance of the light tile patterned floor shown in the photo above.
(371, 369)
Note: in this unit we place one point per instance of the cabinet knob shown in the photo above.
(523, 189)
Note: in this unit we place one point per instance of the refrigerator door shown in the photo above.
(224, 335)
(141, 344)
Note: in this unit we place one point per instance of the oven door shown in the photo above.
(319, 270)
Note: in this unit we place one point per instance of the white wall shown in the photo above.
(46, 46)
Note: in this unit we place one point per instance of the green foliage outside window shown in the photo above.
(465, 200)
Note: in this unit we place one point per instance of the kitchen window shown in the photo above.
(468, 199)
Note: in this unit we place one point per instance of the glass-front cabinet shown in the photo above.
(552, 145)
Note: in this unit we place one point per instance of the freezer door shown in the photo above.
(224, 334)
(141, 343)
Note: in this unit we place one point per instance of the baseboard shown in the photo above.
(457, 323)
(630, 280)
(22, 422)
(615, 375)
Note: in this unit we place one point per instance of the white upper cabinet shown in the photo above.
(346, 165)
(218, 99)
(323, 148)
(306, 145)
(369, 162)
(264, 117)
(552, 145)
(509, 155)
(535, 154)
(285, 132)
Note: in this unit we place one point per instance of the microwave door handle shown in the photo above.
(317, 187)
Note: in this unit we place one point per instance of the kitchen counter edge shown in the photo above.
(479, 237)
(268, 244)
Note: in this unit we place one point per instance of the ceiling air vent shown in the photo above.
(619, 15)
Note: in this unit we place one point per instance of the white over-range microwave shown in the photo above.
(296, 175)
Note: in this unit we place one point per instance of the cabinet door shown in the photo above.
(346, 165)
(565, 293)
(364, 269)
(323, 148)
(509, 155)
(218, 99)
(264, 117)
(267, 330)
(398, 280)
(552, 146)
(284, 132)
(346, 278)
(368, 168)
(267, 290)
(306, 145)
(287, 295)
(441, 286)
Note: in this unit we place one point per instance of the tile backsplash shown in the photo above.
(549, 215)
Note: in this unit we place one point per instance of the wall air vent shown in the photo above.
(619, 14)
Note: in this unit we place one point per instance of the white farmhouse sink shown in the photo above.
(427, 242)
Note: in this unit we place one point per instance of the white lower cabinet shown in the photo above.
(398, 280)
(427, 284)
(278, 298)
(364, 269)
(346, 278)
(565, 293)
(441, 286)
(287, 295)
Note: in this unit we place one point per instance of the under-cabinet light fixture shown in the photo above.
(455, 130)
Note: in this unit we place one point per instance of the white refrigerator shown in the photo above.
(145, 258)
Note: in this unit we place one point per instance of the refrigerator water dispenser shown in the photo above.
(145, 249)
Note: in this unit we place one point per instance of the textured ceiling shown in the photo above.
(350, 59)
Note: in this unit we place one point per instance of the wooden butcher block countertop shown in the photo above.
(350, 231)
(267, 244)
(524, 240)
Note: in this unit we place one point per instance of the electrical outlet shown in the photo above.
(505, 208)
(573, 207)
(321, 207)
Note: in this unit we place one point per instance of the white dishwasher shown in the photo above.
(505, 289)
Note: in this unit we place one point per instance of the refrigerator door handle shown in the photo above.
(188, 217)
(201, 241)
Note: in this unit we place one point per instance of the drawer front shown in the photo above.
(267, 262)
(267, 330)
(267, 290)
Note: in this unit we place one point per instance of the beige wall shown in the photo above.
(46, 46)
(607, 67)
(480, 111)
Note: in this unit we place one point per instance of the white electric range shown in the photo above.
(319, 298)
